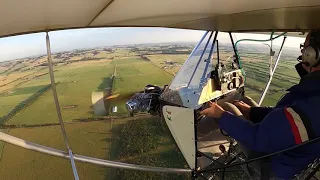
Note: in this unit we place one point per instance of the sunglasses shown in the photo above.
(300, 57)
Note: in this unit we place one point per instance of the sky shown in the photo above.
(35, 44)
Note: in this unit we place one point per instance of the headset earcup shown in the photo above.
(311, 56)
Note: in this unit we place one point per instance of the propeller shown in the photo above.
(121, 96)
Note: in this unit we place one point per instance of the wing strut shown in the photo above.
(55, 96)
(272, 70)
(101, 162)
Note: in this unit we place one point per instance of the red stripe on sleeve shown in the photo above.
(294, 127)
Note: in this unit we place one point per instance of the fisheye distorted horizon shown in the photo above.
(34, 44)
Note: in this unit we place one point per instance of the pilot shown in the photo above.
(294, 120)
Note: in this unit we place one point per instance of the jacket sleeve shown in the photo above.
(272, 134)
(257, 114)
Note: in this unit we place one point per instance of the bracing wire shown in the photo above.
(255, 40)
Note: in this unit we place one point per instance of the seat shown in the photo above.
(310, 172)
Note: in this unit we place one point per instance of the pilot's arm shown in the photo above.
(277, 131)
(257, 114)
(252, 113)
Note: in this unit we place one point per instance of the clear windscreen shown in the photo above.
(186, 87)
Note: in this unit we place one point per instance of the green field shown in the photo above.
(21, 88)
(146, 142)
(9, 102)
(29, 76)
(160, 59)
(90, 139)
(132, 76)
(2, 143)
(76, 83)
(105, 139)
(140, 139)
(258, 74)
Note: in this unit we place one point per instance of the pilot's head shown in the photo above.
(310, 50)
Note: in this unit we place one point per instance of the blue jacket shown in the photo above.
(294, 120)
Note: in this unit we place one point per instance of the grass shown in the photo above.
(120, 140)
(132, 140)
(7, 103)
(22, 75)
(39, 81)
(2, 143)
(25, 103)
(144, 142)
(132, 76)
(21, 89)
(81, 78)
(169, 158)
(258, 74)
(160, 59)
(77, 82)
(89, 139)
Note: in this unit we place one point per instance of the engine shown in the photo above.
(145, 101)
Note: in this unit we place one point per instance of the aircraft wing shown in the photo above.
(21, 17)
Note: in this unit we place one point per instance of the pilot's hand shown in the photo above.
(214, 111)
(243, 107)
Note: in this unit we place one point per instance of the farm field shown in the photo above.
(80, 81)
(146, 142)
(74, 87)
(90, 139)
(75, 82)
(2, 143)
(18, 87)
(132, 76)
(107, 139)
(23, 78)
(26, 100)
(169, 62)
(258, 74)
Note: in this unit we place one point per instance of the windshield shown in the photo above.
(187, 86)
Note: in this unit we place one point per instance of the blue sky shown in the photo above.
(34, 44)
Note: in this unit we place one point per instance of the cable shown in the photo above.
(255, 40)
(210, 158)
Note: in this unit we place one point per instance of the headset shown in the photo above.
(311, 53)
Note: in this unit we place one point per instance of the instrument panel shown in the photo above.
(221, 83)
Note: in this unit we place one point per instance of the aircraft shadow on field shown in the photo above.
(106, 82)
(26, 90)
(25, 103)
